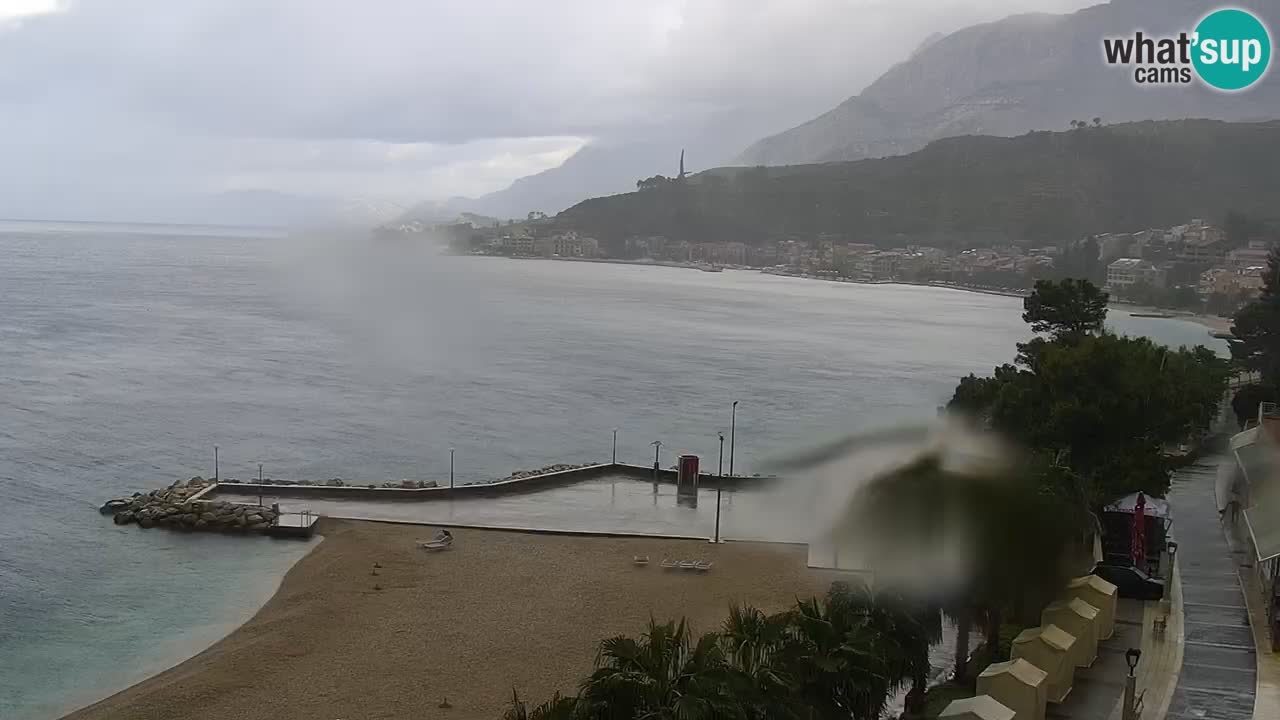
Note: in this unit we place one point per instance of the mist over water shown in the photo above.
(125, 356)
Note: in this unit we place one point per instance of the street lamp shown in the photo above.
(450, 468)
(215, 463)
(1131, 657)
(657, 445)
(733, 426)
(719, 486)
(259, 484)
(615, 446)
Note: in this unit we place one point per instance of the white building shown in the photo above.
(1126, 271)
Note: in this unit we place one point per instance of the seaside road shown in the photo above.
(1218, 676)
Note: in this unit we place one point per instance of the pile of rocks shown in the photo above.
(335, 482)
(558, 467)
(411, 484)
(173, 507)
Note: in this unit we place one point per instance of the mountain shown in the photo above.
(1022, 73)
(1038, 189)
(605, 168)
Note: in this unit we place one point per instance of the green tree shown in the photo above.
(1256, 328)
(1109, 404)
(557, 708)
(756, 645)
(1066, 309)
(1246, 400)
(663, 675)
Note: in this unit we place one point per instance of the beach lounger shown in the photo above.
(435, 544)
(670, 564)
(688, 564)
(703, 566)
(640, 559)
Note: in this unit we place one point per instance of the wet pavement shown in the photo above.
(1100, 686)
(1218, 677)
(620, 504)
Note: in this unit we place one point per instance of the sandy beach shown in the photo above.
(499, 610)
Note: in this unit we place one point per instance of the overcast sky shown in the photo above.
(412, 99)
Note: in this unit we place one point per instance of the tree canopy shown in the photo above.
(839, 657)
(1065, 309)
(1256, 328)
(1106, 403)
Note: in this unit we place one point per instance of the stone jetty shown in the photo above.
(175, 507)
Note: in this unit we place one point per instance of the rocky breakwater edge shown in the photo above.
(179, 508)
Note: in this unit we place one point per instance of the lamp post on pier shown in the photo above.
(450, 468)
(259, 484)
(719, 486)
(215, 463)
(614, 459)
(733, 427)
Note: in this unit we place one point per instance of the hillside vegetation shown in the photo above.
(1040, 188)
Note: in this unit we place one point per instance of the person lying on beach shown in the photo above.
(443, 536)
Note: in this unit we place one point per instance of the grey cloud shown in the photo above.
(412, 98)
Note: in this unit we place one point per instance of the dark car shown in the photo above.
(1130, 581)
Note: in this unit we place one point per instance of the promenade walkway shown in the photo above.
(1218, 679)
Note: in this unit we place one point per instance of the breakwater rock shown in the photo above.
(174, 507)
(558, 467)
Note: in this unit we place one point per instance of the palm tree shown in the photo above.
(663, 675)
(905, 631)
(557, 708)
(757, 647)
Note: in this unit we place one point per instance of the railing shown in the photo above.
(1266, 410)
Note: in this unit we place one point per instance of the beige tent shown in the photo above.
(1081, 620)
(1019, 686)
(1100, 594)
(1049, 648)
(983, 707)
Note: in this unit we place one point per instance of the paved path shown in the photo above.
(1218, 677)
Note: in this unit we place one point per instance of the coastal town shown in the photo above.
(1197, 265)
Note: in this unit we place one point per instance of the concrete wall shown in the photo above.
(531, 483)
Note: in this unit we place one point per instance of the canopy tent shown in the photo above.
(1152, 506)
(1100, 594)
(1049, 648)
(1019, 686)
(982, 707)
(1081, 620)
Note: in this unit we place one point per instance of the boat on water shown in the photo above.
(1151, 315)
(711, 268)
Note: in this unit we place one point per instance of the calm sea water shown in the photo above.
(126, 354)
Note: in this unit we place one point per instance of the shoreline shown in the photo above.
(1213, 322)
(497, 611)
(277, 581)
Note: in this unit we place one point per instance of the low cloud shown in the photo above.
(410, 98)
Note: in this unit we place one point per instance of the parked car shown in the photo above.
(1130, 582)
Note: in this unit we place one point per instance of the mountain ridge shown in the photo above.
(1040, 188)
(1030, 71)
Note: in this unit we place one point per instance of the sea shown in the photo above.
(128, 352)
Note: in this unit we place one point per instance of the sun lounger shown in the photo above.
(702, 565)
(688, 564)
(435, 544)
(670, 564)
(640, 559)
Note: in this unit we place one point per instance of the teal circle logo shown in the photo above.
(1232, 49)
